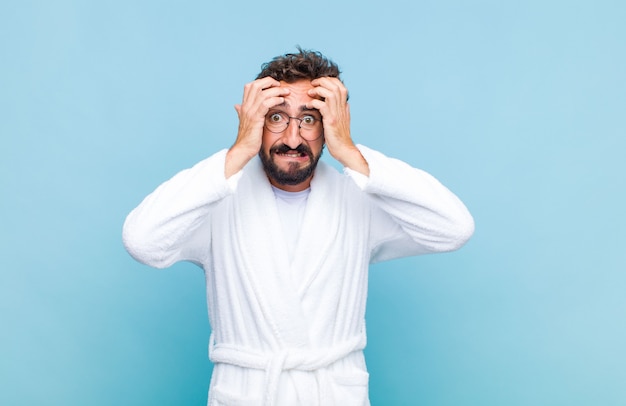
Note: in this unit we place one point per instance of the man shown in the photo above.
(285, 240)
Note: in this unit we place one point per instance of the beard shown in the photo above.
(294, 174)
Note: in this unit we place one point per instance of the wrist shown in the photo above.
(350, 157)
(236, 158)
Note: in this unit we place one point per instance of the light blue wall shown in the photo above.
(519, 107)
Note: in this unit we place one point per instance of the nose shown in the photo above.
(292, 134)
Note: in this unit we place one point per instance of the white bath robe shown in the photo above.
(292, 333)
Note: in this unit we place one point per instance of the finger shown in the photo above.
(258, 104)
(257, 95)
(265, 83)
(326, 101)
(317, 104)
(334, 92)
(330, 83)
(320, 93)
(275, 91)
(272, 102)
(254, 88)
(326, 81)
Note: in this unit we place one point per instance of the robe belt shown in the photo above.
(310, 360)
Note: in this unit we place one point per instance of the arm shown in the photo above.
(413, 212)
(258, 97)
(171, 224)
(331, 99)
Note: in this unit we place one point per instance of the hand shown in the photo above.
(331, 99)
(258, 97)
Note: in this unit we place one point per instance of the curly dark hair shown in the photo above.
(305, 64)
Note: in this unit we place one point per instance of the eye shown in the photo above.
(276, 118)
(308, 120)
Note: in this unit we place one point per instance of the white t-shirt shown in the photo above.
(291, 207)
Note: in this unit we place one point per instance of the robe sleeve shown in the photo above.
(412, 212)
(173, 223)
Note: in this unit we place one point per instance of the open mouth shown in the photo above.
(298, 153)
(292, 154)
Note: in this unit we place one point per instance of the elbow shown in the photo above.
(460, 232)
(451, 234)
(139, 245)
(134, 244)
(466, 231)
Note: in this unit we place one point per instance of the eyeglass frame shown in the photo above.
(284, 115)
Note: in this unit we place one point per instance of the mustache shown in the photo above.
(283, 149)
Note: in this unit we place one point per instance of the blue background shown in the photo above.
(518, 106)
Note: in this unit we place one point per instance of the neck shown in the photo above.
(299, 187)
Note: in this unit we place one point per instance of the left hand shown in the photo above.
(330, 97)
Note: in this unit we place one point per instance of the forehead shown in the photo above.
(298, 86)
(297, 92)
(295, 102)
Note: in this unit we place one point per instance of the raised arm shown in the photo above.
(258, 97)
(413, 212)
(331, 99)
(171, 224)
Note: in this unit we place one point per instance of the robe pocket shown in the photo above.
(220, 397)
(351, 389)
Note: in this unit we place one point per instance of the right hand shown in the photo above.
(258, 97)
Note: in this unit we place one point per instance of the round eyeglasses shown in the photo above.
(310, 126)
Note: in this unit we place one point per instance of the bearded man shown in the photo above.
(285, 240)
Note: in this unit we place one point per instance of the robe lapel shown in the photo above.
(265, 259)
(320, 228)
